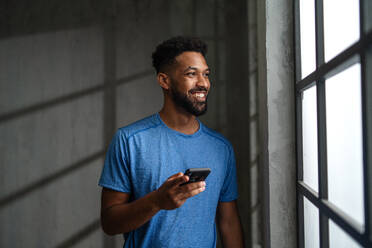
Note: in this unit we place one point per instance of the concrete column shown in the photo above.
(277, 122)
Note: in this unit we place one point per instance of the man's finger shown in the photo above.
(191, 193)
(192, 186)
(179, 180)
(179, 174)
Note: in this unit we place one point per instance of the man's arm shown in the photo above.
(119, 216)
(229, 225)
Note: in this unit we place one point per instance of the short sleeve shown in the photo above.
(115, 173)
(229, 191)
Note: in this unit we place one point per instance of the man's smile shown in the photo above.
(200, 96)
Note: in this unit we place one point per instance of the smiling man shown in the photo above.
(144, 196)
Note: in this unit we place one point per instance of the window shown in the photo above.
(334, 122)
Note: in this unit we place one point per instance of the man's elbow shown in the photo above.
(106, 229)
(107, 226)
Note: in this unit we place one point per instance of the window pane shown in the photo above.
(311, 225)
(341, 25)
(307, 27)
(344, 142)
(310, 142)
(339, 239)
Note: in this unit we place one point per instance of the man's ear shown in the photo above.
(163, 80)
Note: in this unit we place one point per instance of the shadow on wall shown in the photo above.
(60, 75)
(71, 73)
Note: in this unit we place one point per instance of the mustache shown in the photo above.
(198, 89)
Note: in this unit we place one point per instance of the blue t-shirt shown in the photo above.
(144, 154)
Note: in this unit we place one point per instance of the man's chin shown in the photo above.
(190, 105)
(199, 112)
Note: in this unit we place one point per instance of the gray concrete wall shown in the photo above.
(72, 72)
(277, 124)
(51, 109)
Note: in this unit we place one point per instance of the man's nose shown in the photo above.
(203, 81)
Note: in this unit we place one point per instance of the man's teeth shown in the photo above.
(200, 94)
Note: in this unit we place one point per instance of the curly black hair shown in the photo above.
(166, 52)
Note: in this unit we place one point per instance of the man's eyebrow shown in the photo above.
(190, 68)
(194, 68)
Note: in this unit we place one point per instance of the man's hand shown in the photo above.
(172, 195)
(118, 215)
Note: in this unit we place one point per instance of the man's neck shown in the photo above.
(179, 119)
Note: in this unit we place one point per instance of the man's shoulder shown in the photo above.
(139, 126)
(217, 136)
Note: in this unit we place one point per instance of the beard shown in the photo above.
(187, 102)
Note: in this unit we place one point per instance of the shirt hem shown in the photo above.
(228, 199)
(113, 187)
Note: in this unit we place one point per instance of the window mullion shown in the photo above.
(322, 132)
(299, 153)
(367, 139)
(297, 40)
(366, 80)
(300, 199)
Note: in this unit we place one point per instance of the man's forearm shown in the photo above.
(123, 218)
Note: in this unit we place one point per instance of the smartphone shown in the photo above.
(197, 174)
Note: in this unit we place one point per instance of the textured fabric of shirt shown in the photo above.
(146, 153)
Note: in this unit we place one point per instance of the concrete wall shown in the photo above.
(277, 123)
(72, 72)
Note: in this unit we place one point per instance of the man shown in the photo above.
(143, 194)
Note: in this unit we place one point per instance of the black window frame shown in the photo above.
(359, 52)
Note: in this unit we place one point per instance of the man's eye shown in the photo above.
(206, 74)
(191, 74)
